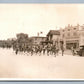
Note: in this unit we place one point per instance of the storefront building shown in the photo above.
(71, 35)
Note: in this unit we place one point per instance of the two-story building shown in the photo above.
(72, 36)
(54, 37)
(81, 34)
(38, 39)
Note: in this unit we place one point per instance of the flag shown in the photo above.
(41, 32)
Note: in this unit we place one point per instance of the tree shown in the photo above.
(21, 37)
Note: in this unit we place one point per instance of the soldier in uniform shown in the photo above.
(17, 49)
(44, 49)
(48, 49)
(54, 50)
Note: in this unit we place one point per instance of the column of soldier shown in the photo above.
(37, 50)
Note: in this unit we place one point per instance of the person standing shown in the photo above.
(44, 49)
(62, 47)
(72, 49)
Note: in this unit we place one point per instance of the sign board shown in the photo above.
(72, 41)
(81, 39)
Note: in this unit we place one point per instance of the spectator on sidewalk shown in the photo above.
(73, 51)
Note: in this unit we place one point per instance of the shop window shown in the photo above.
(74, 28)
(74, 34)
(68, 34)
(42, 38)
(35, 38)
(68, 29)
(63, 35)
(82, 33)
(82, 28)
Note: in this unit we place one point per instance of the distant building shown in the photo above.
(38, 39)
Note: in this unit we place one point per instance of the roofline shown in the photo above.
(53, 34)
(37, 37)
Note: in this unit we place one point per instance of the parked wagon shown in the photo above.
(80, 52)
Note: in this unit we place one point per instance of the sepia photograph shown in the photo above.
(42, 41)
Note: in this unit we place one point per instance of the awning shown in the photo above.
(72, 41)
(47, 42)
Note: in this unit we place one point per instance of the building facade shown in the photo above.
(53, 37)
(72, 36)
(37, 40)
(81, 33)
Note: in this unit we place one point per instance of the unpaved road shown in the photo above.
(42, 67)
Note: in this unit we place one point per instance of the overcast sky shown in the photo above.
(34, 18)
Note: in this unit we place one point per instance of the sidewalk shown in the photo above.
(67, 52)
